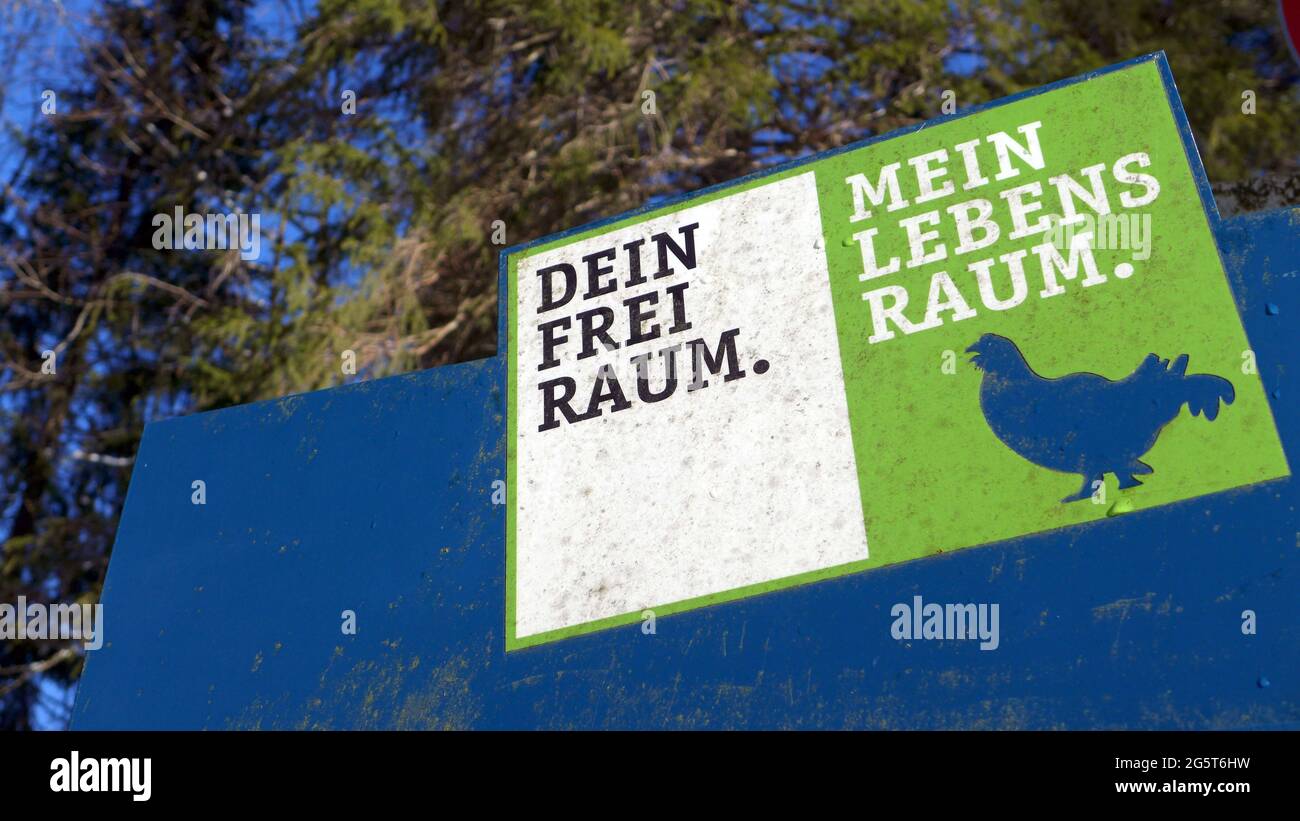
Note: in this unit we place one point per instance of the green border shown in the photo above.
(512, 448)
(736, 593)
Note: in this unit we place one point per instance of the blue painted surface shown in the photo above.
(377, 498)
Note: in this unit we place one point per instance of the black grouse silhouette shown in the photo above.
(1085, 423)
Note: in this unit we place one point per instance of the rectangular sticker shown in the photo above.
(1005, 322)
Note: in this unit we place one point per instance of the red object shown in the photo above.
(1291, 24)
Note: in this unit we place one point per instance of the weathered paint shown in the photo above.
(377, 498)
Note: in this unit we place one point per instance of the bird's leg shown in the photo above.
(1085, 492)
(1126, 479)
(1137, 467)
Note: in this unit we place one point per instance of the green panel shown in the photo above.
(934, 477)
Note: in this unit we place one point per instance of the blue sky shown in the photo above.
(47, 61)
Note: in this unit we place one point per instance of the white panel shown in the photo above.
(739, 483)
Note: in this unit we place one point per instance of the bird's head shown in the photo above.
(992, 353)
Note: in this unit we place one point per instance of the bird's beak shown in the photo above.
(974, 348)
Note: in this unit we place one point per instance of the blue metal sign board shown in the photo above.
(377, 500)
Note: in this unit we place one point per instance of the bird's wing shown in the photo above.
(1040, 415)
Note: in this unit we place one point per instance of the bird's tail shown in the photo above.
(1201, 391)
